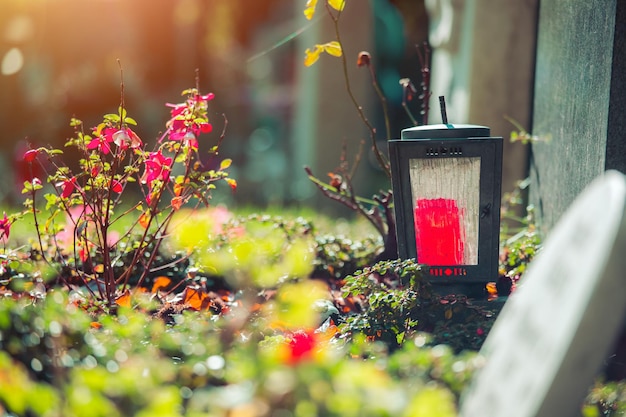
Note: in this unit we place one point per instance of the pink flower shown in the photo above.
(187, 131)
(102, 139)
(157, 168)
(5, 227)
(189, 120)
(204, 98)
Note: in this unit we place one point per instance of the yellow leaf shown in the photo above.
(332, 48)
(144, 220)
(311, 57)
(231, 183)
(337, 4)
(99, 128)
(309, 11)
(491, 288)
(178, 189)
(225, 163)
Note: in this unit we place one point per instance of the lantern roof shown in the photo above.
(445, 131)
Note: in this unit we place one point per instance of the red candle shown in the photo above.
(439, 232)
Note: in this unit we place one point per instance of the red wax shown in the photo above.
(439, 232)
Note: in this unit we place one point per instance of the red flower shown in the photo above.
(116, 186)
(30, 155)
(301, 346)
(5, 227)
(68, 186)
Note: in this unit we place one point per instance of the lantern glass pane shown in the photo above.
(445, 195)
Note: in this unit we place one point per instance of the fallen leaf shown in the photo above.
(196, 299)
(159, 283)
(124, 299)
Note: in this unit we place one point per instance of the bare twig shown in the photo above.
(408, 92)
(425, 83)
(380, 157)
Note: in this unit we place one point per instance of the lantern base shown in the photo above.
(475, 291)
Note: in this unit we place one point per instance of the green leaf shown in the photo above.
(51, 200)
(28, 187)
(130, 121)
(75, 122)
(189, 91)
(323, 184)
(112, 117)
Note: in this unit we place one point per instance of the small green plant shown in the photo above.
(114, 167)
(390, 302)
(606, 399)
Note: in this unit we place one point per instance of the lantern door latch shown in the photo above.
(485, 211)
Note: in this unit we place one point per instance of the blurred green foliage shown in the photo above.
(268, 315)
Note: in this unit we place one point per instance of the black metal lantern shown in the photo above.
(447, 182)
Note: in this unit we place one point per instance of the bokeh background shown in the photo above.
(61, 59)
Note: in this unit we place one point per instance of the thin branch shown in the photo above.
(425, 83)
(379, 155)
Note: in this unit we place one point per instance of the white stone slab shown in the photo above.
(558, 327)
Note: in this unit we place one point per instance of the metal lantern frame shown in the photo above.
(432, 142)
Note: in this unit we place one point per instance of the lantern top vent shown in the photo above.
(446, 131)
